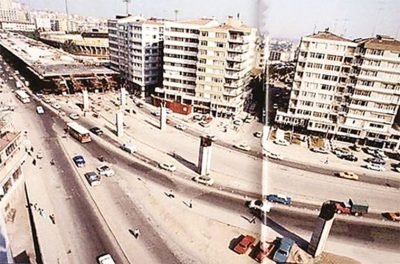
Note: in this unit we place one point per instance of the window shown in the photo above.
(203, 43)
(220, 45)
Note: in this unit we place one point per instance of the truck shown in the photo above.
(353, 207)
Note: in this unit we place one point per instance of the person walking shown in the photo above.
(190, 203)
(136, 233)
(34, 162)
(253, 220)
(171, 194)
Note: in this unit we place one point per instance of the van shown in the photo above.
(129, 147)
(40, 110)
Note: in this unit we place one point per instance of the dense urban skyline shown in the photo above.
(376, 17)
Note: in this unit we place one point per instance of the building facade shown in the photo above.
(347, 89)
(136, 46)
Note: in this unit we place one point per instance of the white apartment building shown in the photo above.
(17, 26)
(346, 89)
(136, 47)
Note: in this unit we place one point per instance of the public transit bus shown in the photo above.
(22, 96)
(79, 132)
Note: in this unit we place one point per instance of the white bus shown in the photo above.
(79, 132)
(23, 96)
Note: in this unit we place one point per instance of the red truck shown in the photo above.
(244, 244)
(264, 249)
(353, 207)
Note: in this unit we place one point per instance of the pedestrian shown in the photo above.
(41, 211)
(253, 220)
(34, 162)
(190, 203)
(35, 206)
(327, 160)
(136, 233)
(52, 218)
(31, 149)
(171, 194)
(52, 162)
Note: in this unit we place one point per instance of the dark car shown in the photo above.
(349, 157)
(376, 161)
(79, 161)
(97, 131)
(279, 198)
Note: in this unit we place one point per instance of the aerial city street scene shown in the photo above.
(171, 131)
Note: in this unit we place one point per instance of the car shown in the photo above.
(40, 110)
(237, 122)
(180, 127)
(279, 198)
(92, 178)
(258, 134)
(198, 117)
(206, 180)
(348, 175)
(281, 142)
(213, 138)
(74, 116)
(283, 250)
(341, 152)
(392, 216)
(168, 111)
(129, 147)
(262, 206)
(79, 161)
(356, 148)
(370, 150)
(375, 167)
(349, 157)
(380, 156)
(263, 251)
(140, 105)
(47, 100)
(97, 131)
(320, 150)
(376, 160)
(244, 244)
(105, 171)
(167, 166)
(274, 156)
(204, 124)
(105, 259)
(242, 146)
(56, 106)
(379, 152)
(156, 113)
(397, 168)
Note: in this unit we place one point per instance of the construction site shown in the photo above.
(52, 70)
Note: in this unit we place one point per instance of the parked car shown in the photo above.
(349, 157)
(380, 156)
(262, 206)
(341, 152)
(320, 150)
(56, 106)
(348, 175)
(242, 146)
(140, 105)
(274, 156)
(204, 124)
(105, 171)
(168, 166)
(97, 131)
(156, 113)
(206, 180)
(39, 110)
(283, 250)
(79, 161)
(258, 134)
(74, 116)
(376, 160)
(375, 167)
(237, 122)
(180, 127)
(212, 137)
(105, 259)
(129, 147)
(92, 178)
(244, 244)
(392, 216)
(281, 142)
(264, 250)
(356, 148)
(353, 207)
(279, 198)
(370, 150)
(198, 117)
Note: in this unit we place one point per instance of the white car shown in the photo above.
(263, 206)
(156, 113)
(56, 106)
(212, 137)
(237, 122)
(168, 166)
(206, 180)
(105, 171)
(128, 147)
(105, 259)
(74, 116)
(375, 167)
(258, 134)
(39, 110)
(180, 127)
(274, 156)
(242, 146)
(281, 142)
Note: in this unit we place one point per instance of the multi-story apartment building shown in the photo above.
(347, 89)
(136, 46)
(207, 65)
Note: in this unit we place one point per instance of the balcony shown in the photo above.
(232, 75)
(236, 49)
(235, 58)
(233, 92)
(14, 160)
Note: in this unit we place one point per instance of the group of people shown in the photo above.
(42, 212)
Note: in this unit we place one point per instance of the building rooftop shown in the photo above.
(328, 36)
(380, 42)
(198, 21)
(6, 139)
(46, 61)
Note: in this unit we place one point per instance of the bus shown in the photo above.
(23, 96)
(79, 132)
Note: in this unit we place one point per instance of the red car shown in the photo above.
(264, 250)
(393, 216)
(244, 244)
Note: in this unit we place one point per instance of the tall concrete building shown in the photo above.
(347, 89)
(136, 46)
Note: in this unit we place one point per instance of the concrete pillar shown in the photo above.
(204, 165)
(122, 96)
(120, 123)
(163, 116)
(85, 100)
(322, 229)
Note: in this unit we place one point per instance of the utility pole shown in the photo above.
(176, 14)
(127, 6)
(66, 11)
